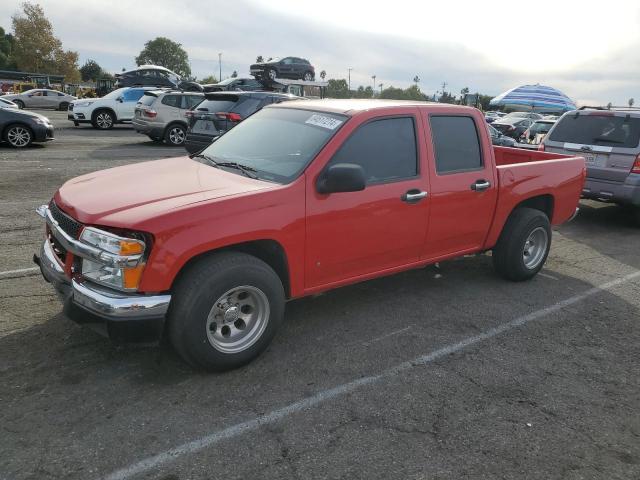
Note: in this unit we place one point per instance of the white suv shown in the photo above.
(103, 113)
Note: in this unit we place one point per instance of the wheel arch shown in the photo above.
(174, 122)
(268, 250)
(108, 109)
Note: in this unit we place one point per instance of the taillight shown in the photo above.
(150, 113)
(189, 113)
(636, 165)
(233, 117)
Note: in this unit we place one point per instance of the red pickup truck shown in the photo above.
(299, 198)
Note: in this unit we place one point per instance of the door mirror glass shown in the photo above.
(341, 177)
(119, 99)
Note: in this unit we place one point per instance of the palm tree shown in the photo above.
(416, 80)
(323, 74)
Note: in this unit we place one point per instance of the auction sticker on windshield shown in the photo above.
(324, 121)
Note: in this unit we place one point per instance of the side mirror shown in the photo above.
(119, 99)
(341, 177)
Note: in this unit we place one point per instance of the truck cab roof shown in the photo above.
(353, 106)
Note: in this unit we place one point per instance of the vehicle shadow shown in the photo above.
(60, 369)
(609, 229)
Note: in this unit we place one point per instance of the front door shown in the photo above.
(463, 186)
(353, 234)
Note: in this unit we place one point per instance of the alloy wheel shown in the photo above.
(19, 136)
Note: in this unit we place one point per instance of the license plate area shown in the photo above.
(204, 126)
(596, 160)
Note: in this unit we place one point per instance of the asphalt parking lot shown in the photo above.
(439, 373)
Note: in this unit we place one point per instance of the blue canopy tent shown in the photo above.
(534, 98)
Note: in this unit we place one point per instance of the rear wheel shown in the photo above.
(19, 103)
(18, 136)
(63, 106)
(523, 246)
(103, 120)
(225, 310)
(175, 135)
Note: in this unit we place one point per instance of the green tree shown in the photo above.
(90, 70)
(234, 74)
(609, 105)
(483, 101)
(209, 79)
(7, 47)
(416, 80)
(166, 53)
(338, 88)
(36, 47)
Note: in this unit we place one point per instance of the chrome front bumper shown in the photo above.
(85, 302)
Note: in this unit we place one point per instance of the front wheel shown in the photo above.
(523, 246)
(175, 135)
(18, 136)
(19, 103)
(102, 120)
(225, 310)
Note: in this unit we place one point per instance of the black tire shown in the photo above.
(18, 135)
(175, 135)
(19, 103)
(76, 124)
(200, 289)
(63, 106)
(103, 119)
(308, 77)
(636, 215)
(509, 255)
(270, 74)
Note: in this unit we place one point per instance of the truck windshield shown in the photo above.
(276, 143)
(594, 129)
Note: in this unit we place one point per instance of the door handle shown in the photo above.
(413, 196)
(480, 185)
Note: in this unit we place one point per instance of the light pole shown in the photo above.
(380, 85)
(220, 66)
(374, 84)
(349, 69)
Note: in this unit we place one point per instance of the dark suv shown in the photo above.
(221, 111)
(288, 67)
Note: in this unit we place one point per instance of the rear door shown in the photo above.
(208, 118)
(463, 185)
(609, 141)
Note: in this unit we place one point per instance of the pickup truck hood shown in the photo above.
(125, 196)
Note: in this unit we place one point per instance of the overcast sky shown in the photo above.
(588, 49)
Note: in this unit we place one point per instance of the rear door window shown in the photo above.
(172, 101)
(147, 100)
(190, 101)
(606, 130)
(132, 95)
(456, 144)
(385, 149)
(214, 106)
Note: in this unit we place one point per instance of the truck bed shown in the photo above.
(510, 156)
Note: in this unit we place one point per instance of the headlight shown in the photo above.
(82, 104)
(41, 121)
(121, 278)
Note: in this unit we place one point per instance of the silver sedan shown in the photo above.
(41, 98)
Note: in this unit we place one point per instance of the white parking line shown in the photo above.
(387, 335)
(20, 271)
(232, 431)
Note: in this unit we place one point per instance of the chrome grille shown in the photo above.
(68, 224)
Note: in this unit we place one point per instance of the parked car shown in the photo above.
(492, 116)
(234, 84)
(154, 76)
(20, 128)
(537, 131)
(498, 138)
(529, 115)
(221, 111)
(288, 67)
(41, 98)
(610, 142)
(160, 114)
(513, 127)
(300, 198)
(4, 103)
(103, 113)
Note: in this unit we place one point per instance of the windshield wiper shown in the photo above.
(245, 169)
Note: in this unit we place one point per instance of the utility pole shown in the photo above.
(374, 83)
(350, 68)
(220, 66)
